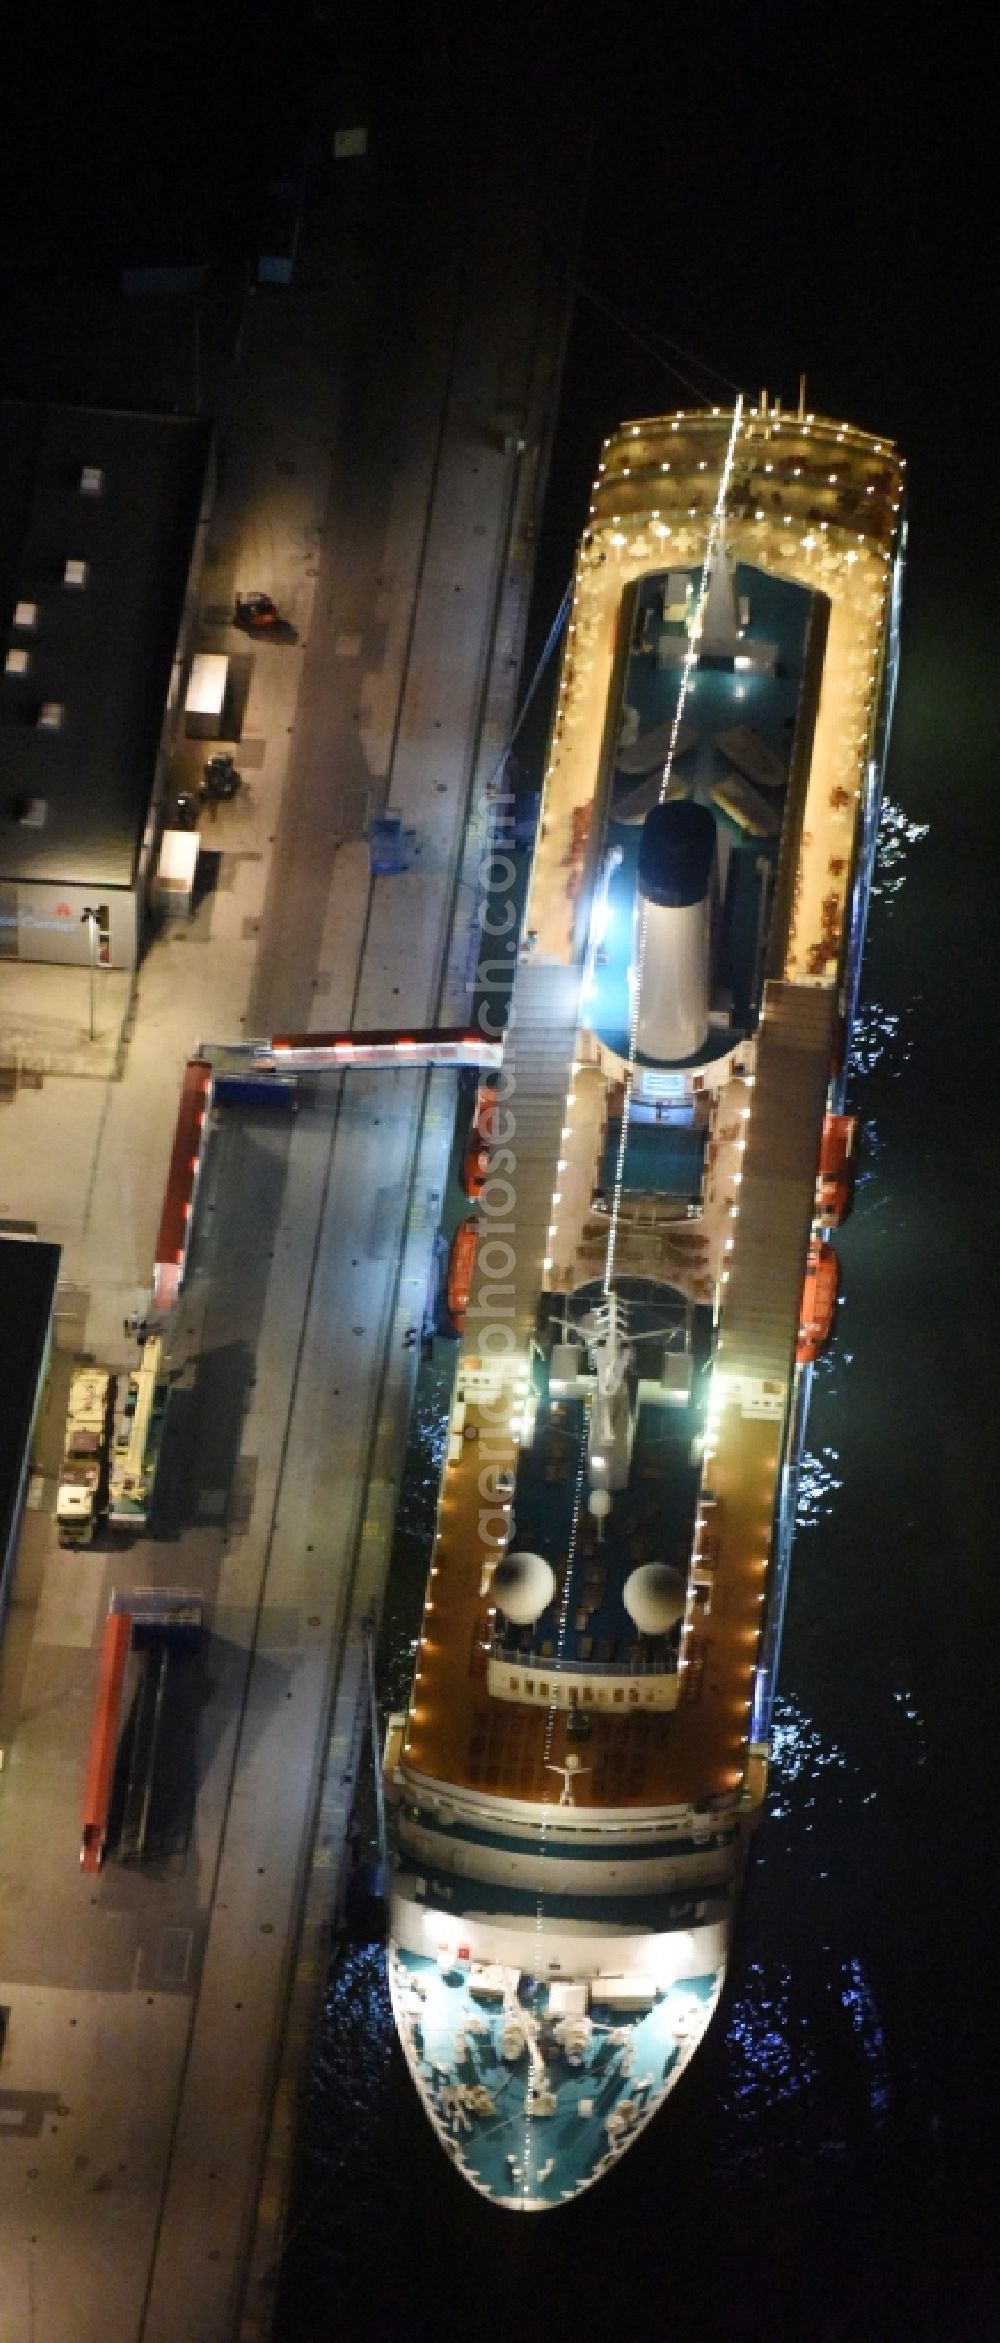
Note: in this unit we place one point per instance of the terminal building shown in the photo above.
(28, 1272)
(102, 524)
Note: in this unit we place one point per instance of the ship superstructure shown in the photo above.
(586, 1742)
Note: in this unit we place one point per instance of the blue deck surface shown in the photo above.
(663, 1159)
(624, 2072)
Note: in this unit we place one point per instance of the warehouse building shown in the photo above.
(102, 524)
(28, 1273)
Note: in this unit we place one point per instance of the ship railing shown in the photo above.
(572, 1663)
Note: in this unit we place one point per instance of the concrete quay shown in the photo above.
(159, 2017)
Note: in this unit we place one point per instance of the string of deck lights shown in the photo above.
(639, 915)
(687, 671)
(639, 928)
(545, 1808)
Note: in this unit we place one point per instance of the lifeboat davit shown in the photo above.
(482, 1131)
(835, 1177)
(484, 1120)
(818, 1306)
(475, 1166)
(461, 1263)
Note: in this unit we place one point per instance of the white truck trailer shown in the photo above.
(82, 1472)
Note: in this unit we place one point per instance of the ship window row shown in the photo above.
(621, 1695)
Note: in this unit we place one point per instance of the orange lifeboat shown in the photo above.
(461, 1263)
(835, 1178)
(818, 1306)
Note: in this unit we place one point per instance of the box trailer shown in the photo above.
(205, 700)
(174, 877)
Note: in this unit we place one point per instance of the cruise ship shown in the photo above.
(657, 1168)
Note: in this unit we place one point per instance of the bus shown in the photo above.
(137, 1436)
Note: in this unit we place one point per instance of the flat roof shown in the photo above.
(28, 1272)
(117, 497)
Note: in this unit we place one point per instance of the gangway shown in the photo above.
(262, 1073)
(452, 1046)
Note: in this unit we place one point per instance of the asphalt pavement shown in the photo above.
(158, 2015)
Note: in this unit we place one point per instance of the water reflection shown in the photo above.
(808, 2063)
(352, 2062)
(768, 2044)
(859, 2002)
(896, 835)
(818, 1485)
(799, 1759)
(906, 1703)
(879, 1039)
(869, 1151)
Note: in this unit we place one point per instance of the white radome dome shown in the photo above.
(523, 1586)
(654, 1598)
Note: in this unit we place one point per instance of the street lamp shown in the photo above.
(93, 923)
